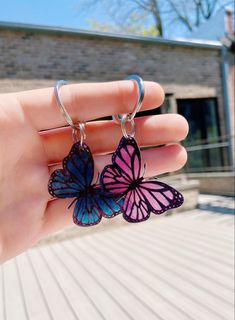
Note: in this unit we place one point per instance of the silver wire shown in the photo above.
(75, 126)
(124, 121)
(141, 91)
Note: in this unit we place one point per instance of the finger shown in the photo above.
(160, 160)
(86, 101)
(103, 136)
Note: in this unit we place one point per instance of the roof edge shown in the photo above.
(15, 26)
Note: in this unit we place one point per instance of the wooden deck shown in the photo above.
(177, 267)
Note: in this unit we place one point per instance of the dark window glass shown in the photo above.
(204, 130)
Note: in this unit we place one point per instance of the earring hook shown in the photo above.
(75, 126)
(141, 91)
(124, 120)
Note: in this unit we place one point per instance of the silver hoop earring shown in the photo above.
(75, 126)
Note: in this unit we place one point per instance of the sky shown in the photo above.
(62, 13)
(45, 12)
(65, 13)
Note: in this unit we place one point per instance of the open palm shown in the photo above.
(34, 141)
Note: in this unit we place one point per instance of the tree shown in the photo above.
(133, 16)
(135, 23)
(152, 17)
(193, 13)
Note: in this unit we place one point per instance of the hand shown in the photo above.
(29, 154)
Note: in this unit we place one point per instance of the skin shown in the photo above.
(29, 153)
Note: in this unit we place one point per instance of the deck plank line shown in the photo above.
(190, 250)
(139, 280)
(174, 269)
(96, 281)
(190, 294)
(116, 280)
(203, 227)
(198, 215)
(3, 294)
(39, 285)
(77, 283)
(216, 217)
(58, 285)
(13, 298)
(33, 298)
(222, 218)
(202, 230)
(58, 305)
(135, 265)
(163, 246)
(21, 289)
(224, 266)
(203, 241)
(187, 252)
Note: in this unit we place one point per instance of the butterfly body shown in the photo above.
(141, 196)
(87, 192)
(75, 181)
(135, 184)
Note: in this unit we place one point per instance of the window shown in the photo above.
(204, 134)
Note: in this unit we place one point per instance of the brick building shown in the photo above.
(193, 75)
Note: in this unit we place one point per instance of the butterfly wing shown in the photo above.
(76, 175)
(92, 205)
(108, 204)
(116, 178)
(62, 186)
(80, 165)
(159, 196)
(86, 212)
(135, 208)
(150, 196)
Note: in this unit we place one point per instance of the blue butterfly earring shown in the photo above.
(74, 180)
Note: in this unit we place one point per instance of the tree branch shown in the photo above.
(184, 19)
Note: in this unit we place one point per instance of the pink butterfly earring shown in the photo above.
(125, 176)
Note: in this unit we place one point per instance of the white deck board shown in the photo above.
(178, 267)
(84, 308)
(108, 305)
(2, 294)
(171, 274)
(14, 300)
(36, 306)
(58, 305)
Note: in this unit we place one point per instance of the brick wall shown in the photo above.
(32, 59)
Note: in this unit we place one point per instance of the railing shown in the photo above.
(210, 155)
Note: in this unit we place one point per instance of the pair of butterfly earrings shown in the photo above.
(122, 187)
